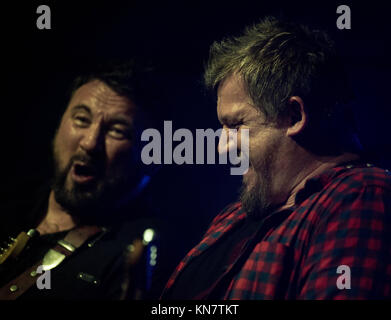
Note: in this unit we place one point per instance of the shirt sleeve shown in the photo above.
(349, 255)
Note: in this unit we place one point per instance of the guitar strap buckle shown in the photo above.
(52, 259)
(57, 254)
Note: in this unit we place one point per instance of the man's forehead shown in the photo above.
(232, 98)
(98, 95)
(232, 88)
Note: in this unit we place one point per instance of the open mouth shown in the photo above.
(83, 173)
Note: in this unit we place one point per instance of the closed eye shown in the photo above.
(235, 125)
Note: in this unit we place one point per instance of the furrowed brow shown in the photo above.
(81, 107)
(231, 118)
(121, 120)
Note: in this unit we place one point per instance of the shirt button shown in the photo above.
(13, 288)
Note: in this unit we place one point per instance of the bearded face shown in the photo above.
(93, 157)
(235, 110)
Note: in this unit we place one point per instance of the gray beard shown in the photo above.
(257, 201)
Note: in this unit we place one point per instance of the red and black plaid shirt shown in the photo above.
(341, 218)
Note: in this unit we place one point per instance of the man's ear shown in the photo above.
(298, 117)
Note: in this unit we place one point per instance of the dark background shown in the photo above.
(37, 66)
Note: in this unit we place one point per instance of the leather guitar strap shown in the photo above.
(63, 248)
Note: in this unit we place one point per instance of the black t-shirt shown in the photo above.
(203, 271)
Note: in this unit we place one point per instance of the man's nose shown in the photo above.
(229, 140)
(92, 139)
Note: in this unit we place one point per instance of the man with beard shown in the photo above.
(313, 221)
(89, 235)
